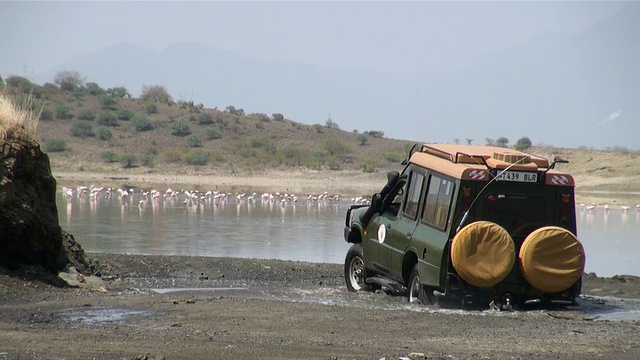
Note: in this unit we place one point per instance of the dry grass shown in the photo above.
(14, 117)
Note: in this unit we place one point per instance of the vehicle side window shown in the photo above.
(438, 202)
(413, 195)
(394, 199)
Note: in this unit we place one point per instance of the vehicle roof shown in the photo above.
(472, 162)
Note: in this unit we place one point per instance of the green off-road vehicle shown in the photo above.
(470, 223)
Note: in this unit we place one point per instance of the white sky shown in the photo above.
(382, 36)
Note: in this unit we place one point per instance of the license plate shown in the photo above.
(519, 176)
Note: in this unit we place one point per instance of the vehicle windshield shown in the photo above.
(519, 214)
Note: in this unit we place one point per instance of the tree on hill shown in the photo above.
(156, 93)
(502, 142)
(522, 144)
(69, 80)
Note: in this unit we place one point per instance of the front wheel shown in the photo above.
(418, 293)
(354, 271)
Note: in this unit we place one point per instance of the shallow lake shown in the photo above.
(288, 230)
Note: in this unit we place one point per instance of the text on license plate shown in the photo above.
(517, 176)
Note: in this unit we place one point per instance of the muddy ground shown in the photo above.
(270, 309)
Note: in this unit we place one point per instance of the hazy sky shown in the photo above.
(381, 36)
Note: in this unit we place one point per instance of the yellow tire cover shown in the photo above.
(483, 253)
(552, 259)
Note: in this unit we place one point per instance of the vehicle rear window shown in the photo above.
(438, 202)
(519, 214)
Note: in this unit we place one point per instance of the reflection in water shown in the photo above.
(279, 226)
(208, 224)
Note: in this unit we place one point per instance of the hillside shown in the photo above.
(92, 130)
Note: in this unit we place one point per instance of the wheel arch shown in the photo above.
(408, 262)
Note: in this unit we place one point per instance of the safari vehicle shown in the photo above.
(469, 223)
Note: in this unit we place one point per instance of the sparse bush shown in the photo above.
(332, 124)
(194, 141)
(50, 86)
(318, 128)
(263, 117)
(69, 80)
(22, 84)
(107, 118)
(119, 92)
(87, 114)
(82, 129)
(156, 93)
(368, 164)
(335, 147)
(232, 110)
(151, 108)
(108, 102)
(55, 145)
(94, 89)
(362, 139)
(110, 156)
(196, 157)
(205, 119)
(375, 134)
(128, 161)
(257, 141)
(180, 128)
(278, 117)
(63, 111)
(125, 114)
(141, 123)
(213, 133)
(173, 155)
(79, 93)
(104, 133)
(270, 148)
(148, 160)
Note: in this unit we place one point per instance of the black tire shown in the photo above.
(416, 292)
(354, 271)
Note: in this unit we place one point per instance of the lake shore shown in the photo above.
(280, 310)
(347, 184)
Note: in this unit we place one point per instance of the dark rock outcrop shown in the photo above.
(29, 230)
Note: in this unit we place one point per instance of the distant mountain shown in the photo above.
(579, 90)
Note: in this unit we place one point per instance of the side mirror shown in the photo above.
(376, 202)
(392, 178)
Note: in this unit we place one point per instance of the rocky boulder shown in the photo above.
(29, 230)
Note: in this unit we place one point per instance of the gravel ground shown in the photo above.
(262, 310)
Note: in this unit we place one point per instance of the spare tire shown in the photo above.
(552, 259)
(483, 253)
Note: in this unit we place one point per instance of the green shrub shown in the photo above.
(148, 160)
(141, 123)
(82, 129)
(196, 157)
(46, 114)
(180, 128)
(108, 102)
(173, 155)
(106, 118)
(86, 114)
(213, 133)
(205, 119)
(128, 161)
(151, 108)
(270, 148)
(110, 156)
(257, 141)
(55, 145)
(104, 133)
(393, 156)
(368, 164)
(362, 139)
(278, 117)
(194, 141)
(63, 111)
(125, 114)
